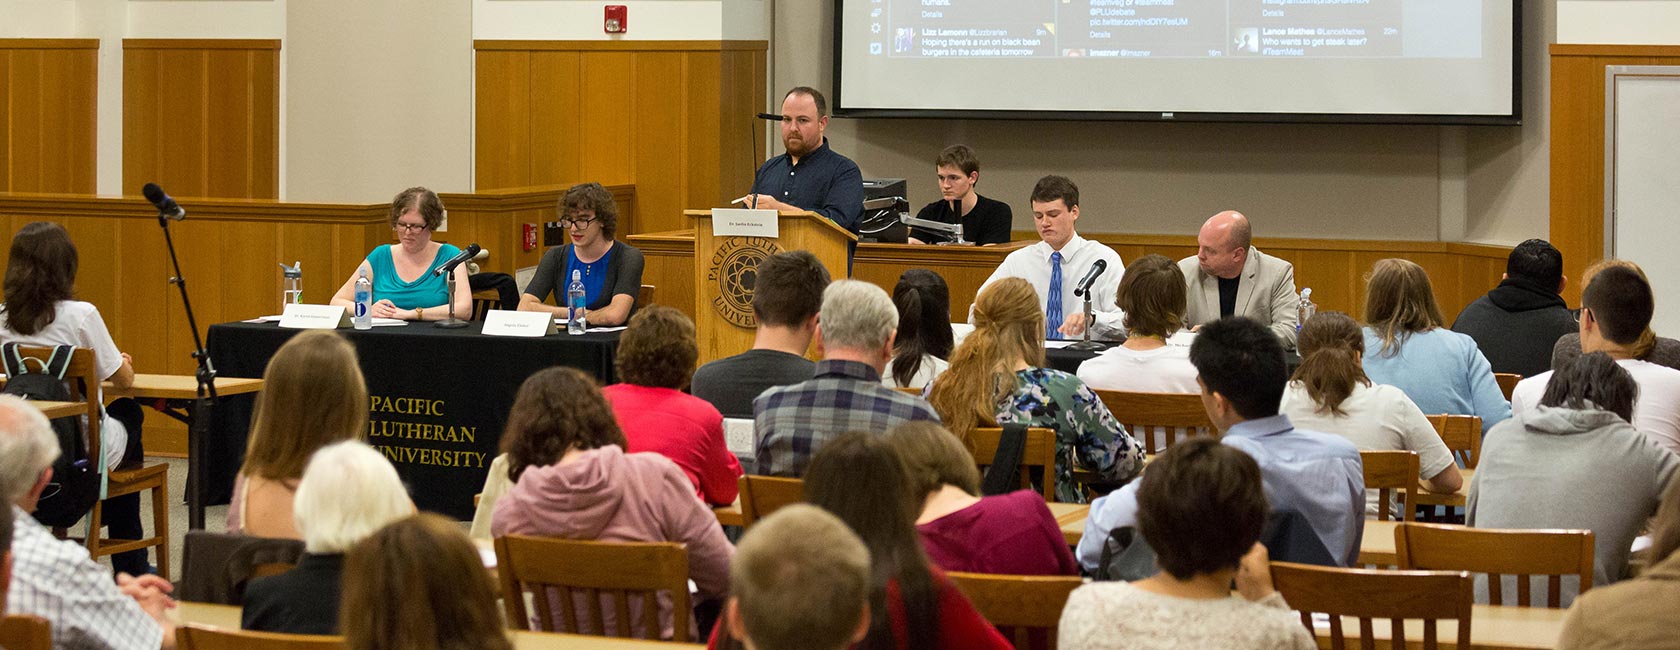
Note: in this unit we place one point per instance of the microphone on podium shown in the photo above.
(1090, 276)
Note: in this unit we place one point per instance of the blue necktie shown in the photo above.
(1053, 305)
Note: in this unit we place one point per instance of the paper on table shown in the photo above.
(562, 322)
(377, 322)
(1057, 345)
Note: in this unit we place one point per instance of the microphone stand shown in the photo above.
(452, 322)
(1090, 319)
(204, 406)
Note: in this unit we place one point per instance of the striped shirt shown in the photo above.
(843, 396)
(56, 580)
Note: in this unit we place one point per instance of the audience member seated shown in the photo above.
(1054, 266)
(962, 531)
(1228, 276)
(404, 285)
(925, 338)
(800, 581)
(1573, 461)
(572, 479)
(1243, 376)
(855, 334)
(54, 578)
(1616, 308)
(1638, 613)
(1331, 393)
(1517, 323)
(655, 358)
(41, 310)
(912, 605)
(1408, 347)
(1152, 295)
(419, 584)
(1189, 604)
(984, 221)
(348, 491)
(786, 297)
(1659, 350)
(997, 377)
(313, 395)
(611, 270)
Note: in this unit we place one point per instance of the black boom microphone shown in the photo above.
(472, 249)
(166, 206)
(1090, 276)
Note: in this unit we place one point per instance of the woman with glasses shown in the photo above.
(611, 270)
(404, 285)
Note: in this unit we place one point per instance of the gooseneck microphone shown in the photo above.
(166, 206)
(1090, 276)
(455, 261)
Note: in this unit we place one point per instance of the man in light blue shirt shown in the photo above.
(1241, 371)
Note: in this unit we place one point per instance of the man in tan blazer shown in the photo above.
(1228, 276)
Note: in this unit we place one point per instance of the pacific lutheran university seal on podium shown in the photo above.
(732, 274)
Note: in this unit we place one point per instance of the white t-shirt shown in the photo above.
(78, 323)
(1656, 413)
(1376, 418)
(929, 369)
(1161, 370)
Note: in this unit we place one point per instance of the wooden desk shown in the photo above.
(1377, 545)
(55, 410)
(227, 616)
(730, 515)
(1456, 499)
(1071, 516)
(180, 395)
(179, 387)
(1491, 628)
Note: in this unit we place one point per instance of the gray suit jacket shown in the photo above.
(1266, 294)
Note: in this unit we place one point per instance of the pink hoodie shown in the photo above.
(608, 495)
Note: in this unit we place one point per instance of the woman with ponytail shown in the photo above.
(924, 330)
(996, 377)
(1330, 393)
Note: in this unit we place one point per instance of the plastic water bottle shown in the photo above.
(1306, 309)
(291, 288)
(574, 302)
(363, 316)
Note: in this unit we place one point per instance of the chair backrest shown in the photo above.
(644, 297)
(762, 495)
(1522, 553)
(1144, 413)
(1369, 594)
(1463, 435)
(82, 374)
(484, 301)
(909, 390)
(1039, 451)
(552, 570)
(1392, 473)
(198, 637)
(1507, 382)
(1018, 605)
(217, 566)
(25, 632)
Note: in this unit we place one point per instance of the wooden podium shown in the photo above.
(726, 270)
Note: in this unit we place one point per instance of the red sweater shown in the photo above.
(1011, 533)
(960, 626)
(684, 428)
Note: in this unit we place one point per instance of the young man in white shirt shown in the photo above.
(1055, 265)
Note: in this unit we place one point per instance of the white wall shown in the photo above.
(206, 19)
(38, 19)
(1624, 22)
(580, 20)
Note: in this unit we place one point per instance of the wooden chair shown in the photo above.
(198, 637)
(1019, 605)
(1372, 594)
(762, 495)
(484, 301)
(644, 297)
(1522, 553)
(1391, 472)
(1040, 452)
(1507, 382)
(552, 570)
(25, 632)
(909, 390)
(1463, 435)
(84, 381)
(1143, 413)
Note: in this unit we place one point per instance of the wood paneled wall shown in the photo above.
(674, 118)
(49, 96)
(495, 219)
(201, 117)
(1578, 146)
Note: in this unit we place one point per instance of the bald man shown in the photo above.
(1228, 276)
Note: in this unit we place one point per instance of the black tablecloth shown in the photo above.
(1067, 360)
(440, 398)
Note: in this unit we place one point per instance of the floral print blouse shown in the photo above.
(1087, 435)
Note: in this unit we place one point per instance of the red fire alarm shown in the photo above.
(618, 19)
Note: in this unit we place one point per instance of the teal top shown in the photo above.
(427, 291)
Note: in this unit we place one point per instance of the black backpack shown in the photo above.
(74, 486)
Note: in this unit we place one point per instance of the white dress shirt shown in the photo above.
(1032, 264)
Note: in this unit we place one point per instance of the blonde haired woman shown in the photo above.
(996, 377)
(313, 395)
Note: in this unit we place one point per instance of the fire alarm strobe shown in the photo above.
(618, 19)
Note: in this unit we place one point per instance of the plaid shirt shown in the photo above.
(56, 580)
(843, 396)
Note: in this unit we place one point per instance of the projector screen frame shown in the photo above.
(1514, 118)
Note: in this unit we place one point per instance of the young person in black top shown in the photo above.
(984, 221)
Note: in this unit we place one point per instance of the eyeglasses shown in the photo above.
(578, 223)
(409, 227)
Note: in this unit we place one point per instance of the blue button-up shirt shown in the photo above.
(795, 421)
(823, 182)
(1316, 474)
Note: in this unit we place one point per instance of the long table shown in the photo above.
(227, 617)
(439, 398)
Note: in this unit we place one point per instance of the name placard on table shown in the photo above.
(314, 317)
(738, 222)
(528, 324)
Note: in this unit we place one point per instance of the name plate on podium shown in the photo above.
(528, 324)
(737, 222)
(315, 317)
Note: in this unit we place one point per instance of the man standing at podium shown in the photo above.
(810, 176)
